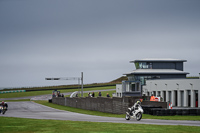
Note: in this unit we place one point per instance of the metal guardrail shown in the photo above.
(1, 92)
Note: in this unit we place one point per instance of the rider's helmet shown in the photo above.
(138, 102)
(2, 103)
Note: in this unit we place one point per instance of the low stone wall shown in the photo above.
(113, 105)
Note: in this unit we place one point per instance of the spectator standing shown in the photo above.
(152, 97)
(89, 94)
(53, 95)
(99, 94)
(58, 94)
(93, 94)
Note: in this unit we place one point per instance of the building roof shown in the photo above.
(156, 71)
(158, 60)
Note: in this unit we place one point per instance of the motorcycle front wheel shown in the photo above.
(138, 116)
(127, 117)
(4, 111)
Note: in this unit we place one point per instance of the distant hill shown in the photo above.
(116, 81)
(119, 80)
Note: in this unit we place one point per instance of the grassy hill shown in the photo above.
(119, 80)
(111, 83)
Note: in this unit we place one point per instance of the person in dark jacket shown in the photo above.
(93, 94)
(99, 94)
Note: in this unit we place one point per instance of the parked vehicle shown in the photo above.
(135, 111)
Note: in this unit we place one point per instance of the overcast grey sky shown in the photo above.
(62, 38)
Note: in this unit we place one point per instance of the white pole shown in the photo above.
(81, 84)
(78, 86)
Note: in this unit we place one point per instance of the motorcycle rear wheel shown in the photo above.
(138, 116)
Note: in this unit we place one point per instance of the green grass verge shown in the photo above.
(23, 125)
(36, 93)
(77, 110)
(145, 116)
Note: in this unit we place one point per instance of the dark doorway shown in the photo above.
(196, 99)
(133, 87)
(164, 96)
(189, 100)
(175, 97)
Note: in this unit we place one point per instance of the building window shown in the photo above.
(143, 79)
(150, 65)
(143, 65)
(137, 65)
(131, 78)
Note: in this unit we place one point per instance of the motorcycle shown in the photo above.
(135, 111)
(2, 109)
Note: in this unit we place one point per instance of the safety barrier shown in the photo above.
(1, 92)
(171, 112)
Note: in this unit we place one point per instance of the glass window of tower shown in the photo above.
(144, 65)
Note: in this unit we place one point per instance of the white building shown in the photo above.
(181, 92)
(162, 77)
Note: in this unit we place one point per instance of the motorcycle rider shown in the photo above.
(4, 104)
(135, 106)
(135, 111)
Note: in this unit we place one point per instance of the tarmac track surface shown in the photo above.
(36, 111)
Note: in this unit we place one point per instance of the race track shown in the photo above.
(36, 111)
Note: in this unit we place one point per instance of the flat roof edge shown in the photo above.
(158, 60)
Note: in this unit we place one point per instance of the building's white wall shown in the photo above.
(119, 90)
(183, 87)
(175, 84)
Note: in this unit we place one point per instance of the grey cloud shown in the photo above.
(63, 38)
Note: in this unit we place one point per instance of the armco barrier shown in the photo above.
(1, 92)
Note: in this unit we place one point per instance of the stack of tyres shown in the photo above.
(154, 111)
(172, 112)
(185, 112)
(146, 110)
(167, 112)
(179, 112)
(198, 112)
(193, 112)
(160, 112)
